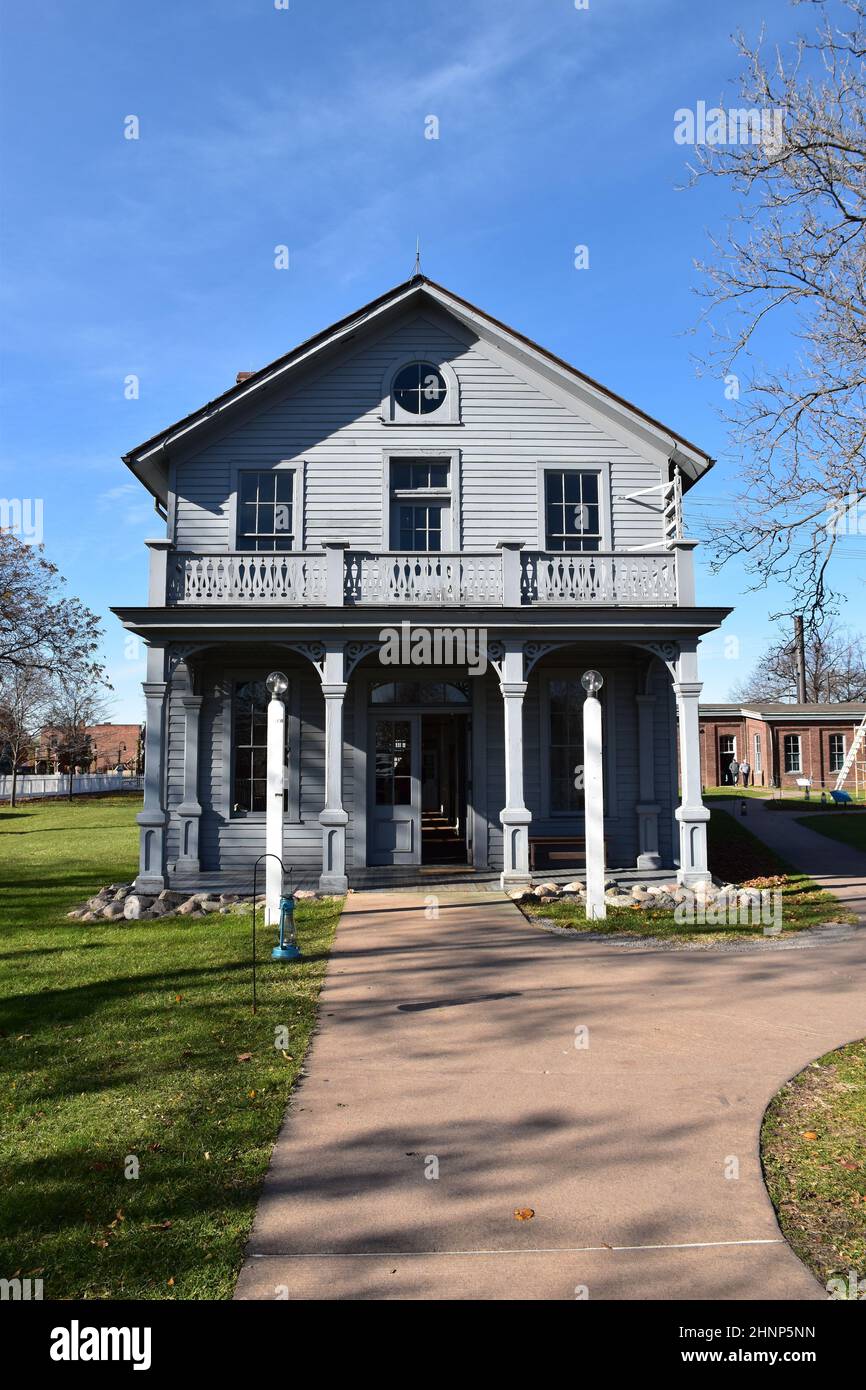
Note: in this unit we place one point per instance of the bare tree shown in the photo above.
(40, 627)
(78, 701)
(25, 695)
(835, 669)
(795, 256)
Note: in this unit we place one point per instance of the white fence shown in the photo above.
(57, 784)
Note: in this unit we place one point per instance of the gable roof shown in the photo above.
(147, 461)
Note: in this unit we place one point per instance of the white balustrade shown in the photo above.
(627, 579)
(248, 577)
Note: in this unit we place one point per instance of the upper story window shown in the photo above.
(266, 510)
(572, 511)
(420, 504)
(420, 388)
(420, 391)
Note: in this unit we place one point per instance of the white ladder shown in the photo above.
(851, 756)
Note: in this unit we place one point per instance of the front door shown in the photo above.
(395, 812)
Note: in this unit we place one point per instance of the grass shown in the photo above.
(839, 827)
(130, 1048)
(735, 856)
(813, 1147)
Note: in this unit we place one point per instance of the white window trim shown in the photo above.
(447, 414)
(834, 733)
(544, 466)
(299, 466)
(792, 771)
(757, 754)
(453, 530)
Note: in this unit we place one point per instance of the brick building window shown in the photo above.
(837, 752)
(793, 753)
(758, 755)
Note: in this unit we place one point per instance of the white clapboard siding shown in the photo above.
(332, 422)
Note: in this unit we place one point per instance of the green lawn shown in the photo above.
(847, 829)
(133, 1046)
(813, 1147)
(735, 856)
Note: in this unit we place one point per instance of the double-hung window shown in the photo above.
(266, 510)
(758, 755)
(420, 504)
(565, 753)
(249, 747)
(793, 753)
(837, 752)
(572, 509)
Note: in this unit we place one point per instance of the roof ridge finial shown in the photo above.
(417, 270)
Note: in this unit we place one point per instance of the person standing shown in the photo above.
(745, 769)
(734, 771)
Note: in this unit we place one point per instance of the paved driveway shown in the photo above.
(449, 1044)
(839, 868)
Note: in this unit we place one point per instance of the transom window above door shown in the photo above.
(420, 504)
(572, 511)
(420, 388)
(266, 510)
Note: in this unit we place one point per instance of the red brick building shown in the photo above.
(781, 743)
(113, 745)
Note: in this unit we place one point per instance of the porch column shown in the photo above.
(189, 809)
(648, 856)
(152, 818)
(333, 818)
(692, 814)
(515, 818)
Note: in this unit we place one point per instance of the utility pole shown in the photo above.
(800, 658)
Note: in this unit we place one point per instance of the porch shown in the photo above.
(394, 776)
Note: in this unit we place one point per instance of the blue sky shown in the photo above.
(305, 127)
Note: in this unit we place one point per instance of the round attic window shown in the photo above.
(420, 388)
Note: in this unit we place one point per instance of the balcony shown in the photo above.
(510, 577)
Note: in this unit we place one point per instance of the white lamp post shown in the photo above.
(593, 809)
(277, 684)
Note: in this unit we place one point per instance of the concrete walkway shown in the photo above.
(453, 1039)
(838, 868)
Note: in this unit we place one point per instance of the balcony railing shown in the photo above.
(427, 578)
(602, 577)
(509, 577)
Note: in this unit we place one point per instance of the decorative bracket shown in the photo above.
(355, 653)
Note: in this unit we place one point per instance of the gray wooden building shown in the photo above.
(433, 526)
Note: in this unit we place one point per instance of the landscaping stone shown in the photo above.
(172, 896)
(303, 893)
(188, 908)
(575, 887)
(136, 905)
(210, 905)
(113, 911)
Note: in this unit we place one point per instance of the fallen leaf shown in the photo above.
(245, 1057)
(524, 1213)
(170, 1283)
(809, 1134)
